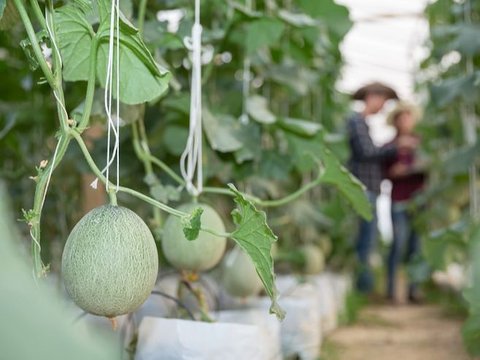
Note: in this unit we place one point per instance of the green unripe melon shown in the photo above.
(325, 244)
(240, 277)
(110, 261)
(314, 259)
(200, 254)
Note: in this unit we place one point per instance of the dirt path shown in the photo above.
(399, 333)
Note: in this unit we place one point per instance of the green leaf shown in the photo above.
(335, 16)
(141, 79)
(461, 159)
(174, 139)
(463, 38)
(74, 35)
(223, 131)
(439, 247)
(8, 14)
(164, 193)
(304, 150)
(472, 294)
(296, 19)
(264, 32)
(254, 237)
(450, 89)
(244, 10)
(471, 334)
(257, 108)
(192, 224)
(3, 4)
(251, 136)
(275, 165)
(298, 78)
(299, 126)
(349, 186)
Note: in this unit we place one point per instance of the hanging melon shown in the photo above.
(239, 275)
(314, 259)
(110, 261)
(200, 254)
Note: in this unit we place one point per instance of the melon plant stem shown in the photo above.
(113, 196)
(42, 180)
(269, 203)
(40, 192)
(142, 7)
(142, 150)
(38, 13)
(33, 40)
(55, 82)
(74, 133)
(140, 145)
(57, 72)
(137, 194)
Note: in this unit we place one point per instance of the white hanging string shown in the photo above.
(113, 120)
(191, 159)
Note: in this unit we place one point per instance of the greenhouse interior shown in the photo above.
(299, 180)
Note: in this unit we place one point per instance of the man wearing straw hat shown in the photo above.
(366, 161)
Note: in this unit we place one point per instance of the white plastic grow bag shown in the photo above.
(301, 334)
(327, 302)
(268, 324)
(173, 339)
(341, 285)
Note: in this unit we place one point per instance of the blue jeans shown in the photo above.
(365, 243)
(404, 246)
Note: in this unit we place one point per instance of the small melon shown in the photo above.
(200, 254)
(110, 261)
(240, 277)
(314, 259)
(325, 244)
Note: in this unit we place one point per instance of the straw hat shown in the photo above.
(375, 88)
(403, 107)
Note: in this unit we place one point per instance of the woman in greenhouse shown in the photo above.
(366, 163)
(407, 177)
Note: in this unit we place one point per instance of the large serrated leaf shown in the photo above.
(141, 79)
(349, 186)
(255, 237)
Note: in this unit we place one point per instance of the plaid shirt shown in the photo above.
(366, 158)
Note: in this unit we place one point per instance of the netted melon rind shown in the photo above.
(110, 261)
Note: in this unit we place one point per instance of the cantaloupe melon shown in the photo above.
(325, 244)
(239, 275)
(314, 259)
(110, 261)
(200, 254)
